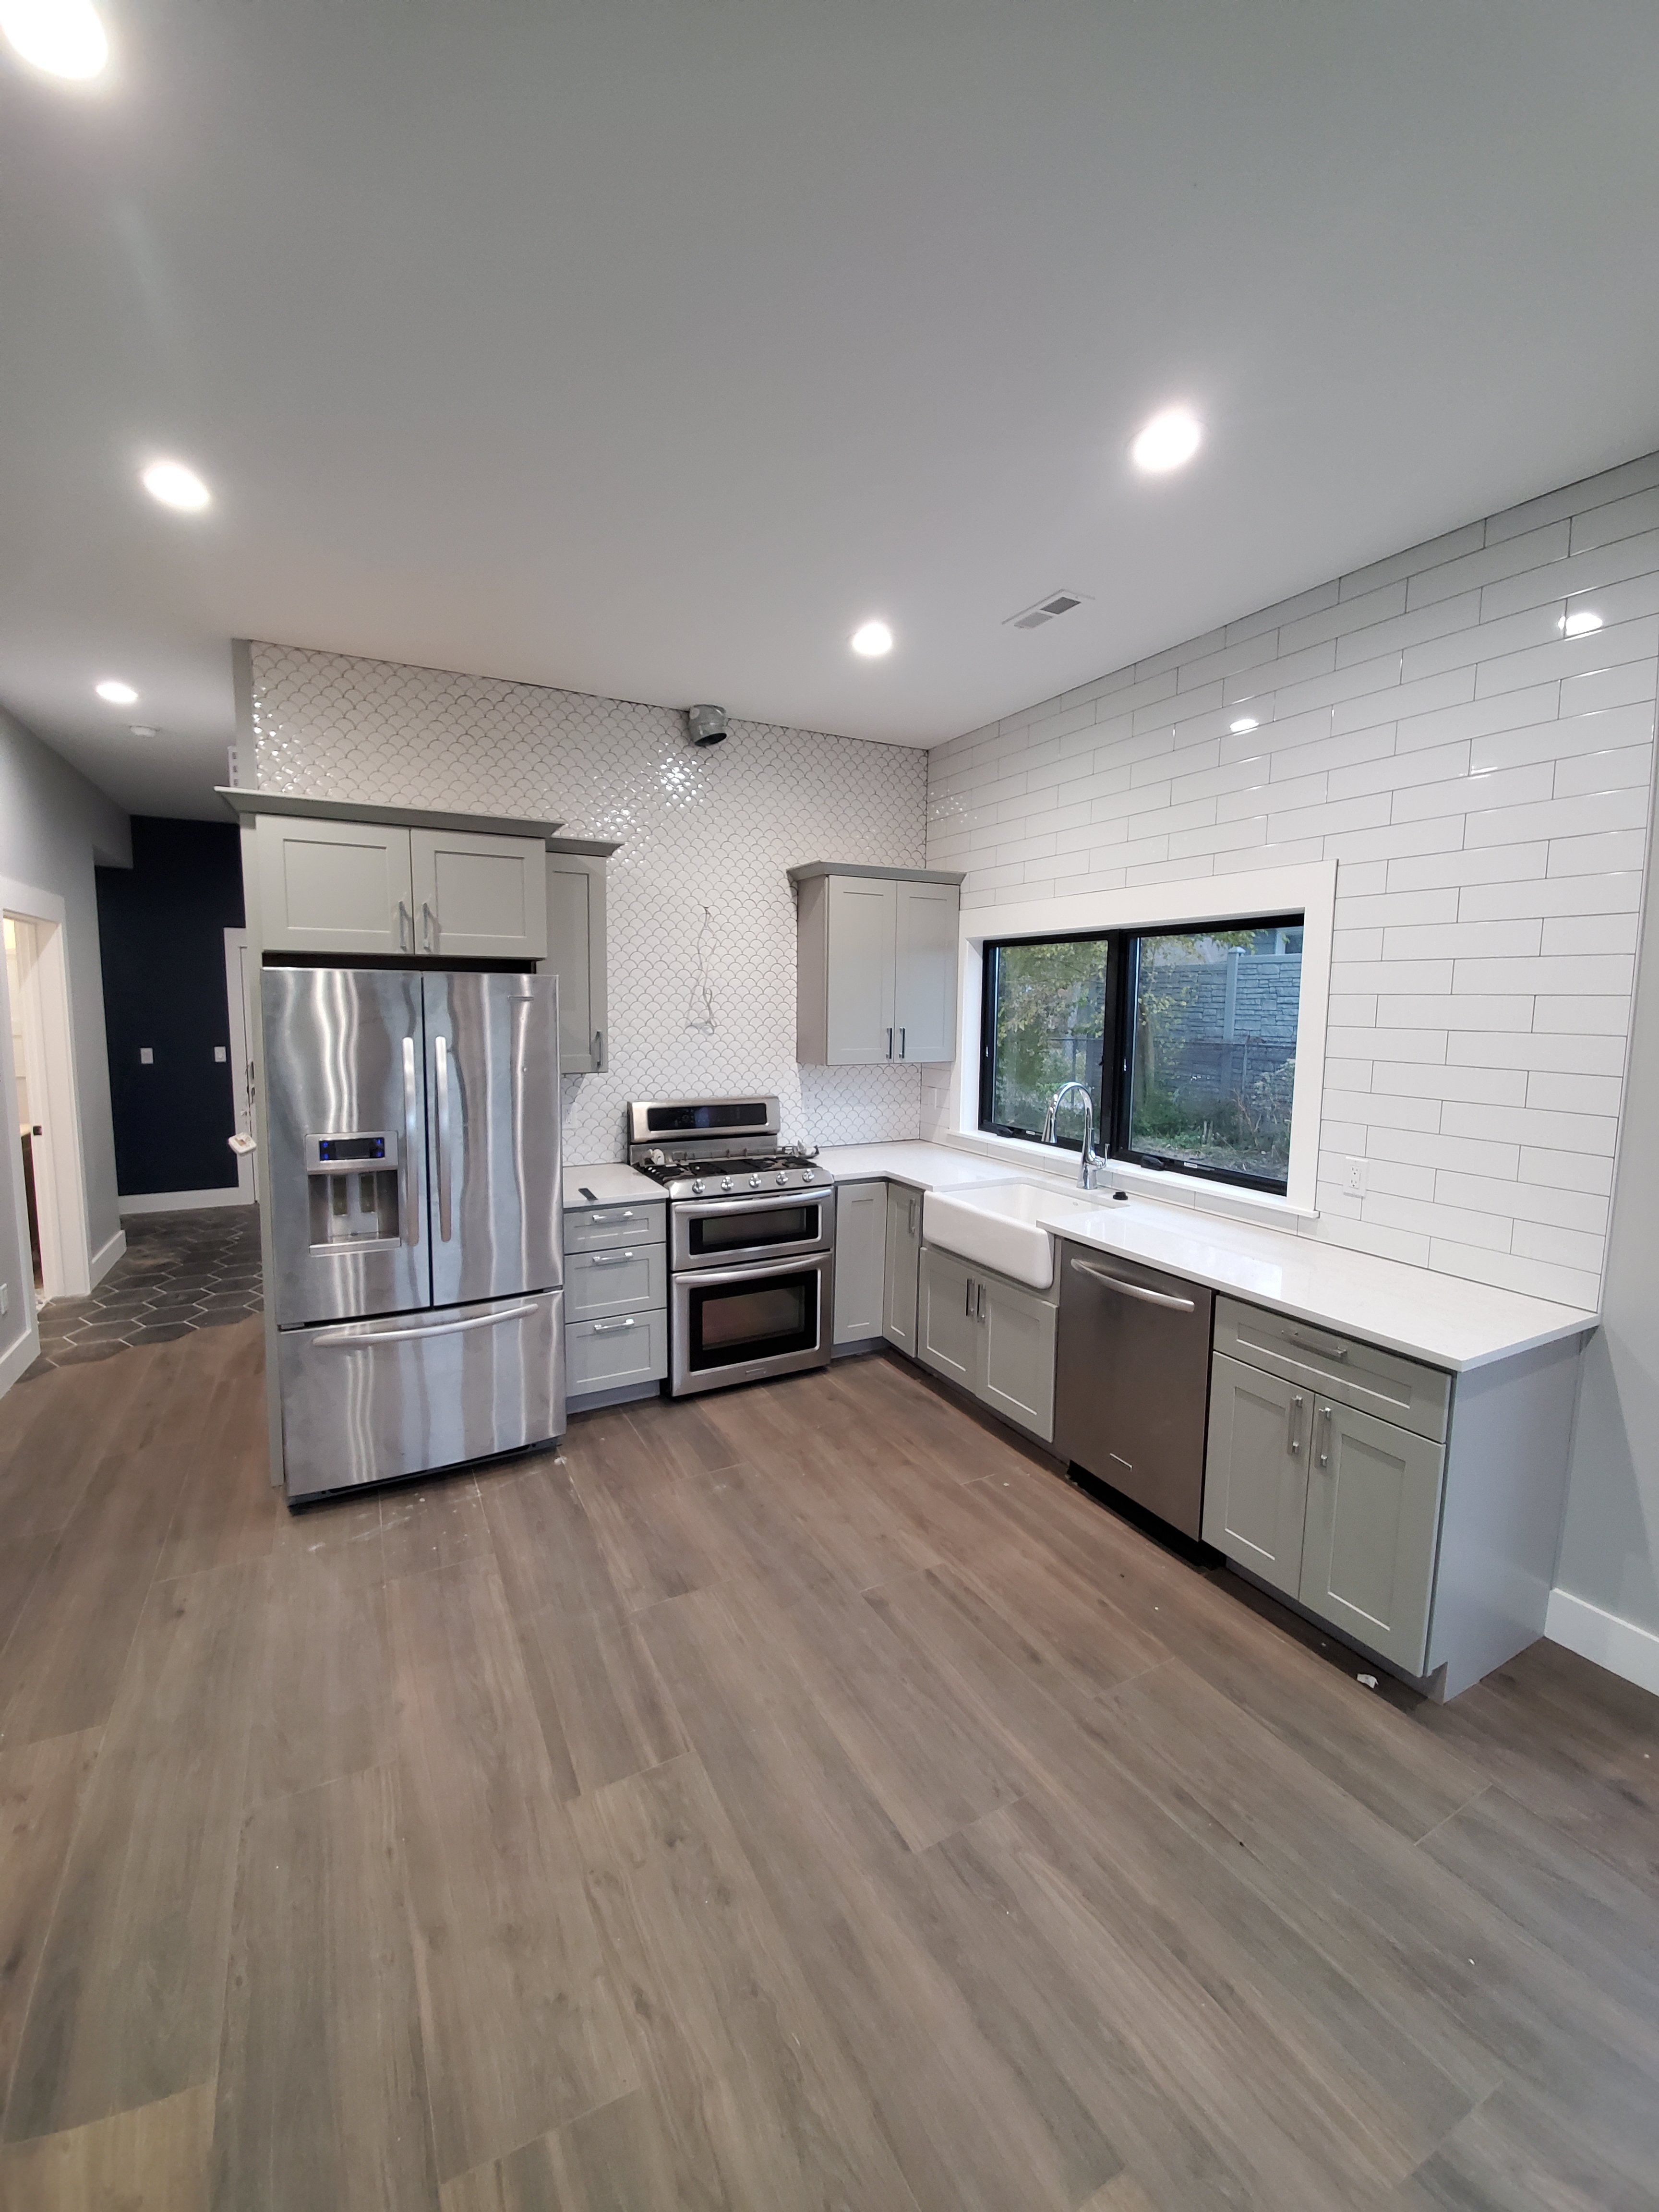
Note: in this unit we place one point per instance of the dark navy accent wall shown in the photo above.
(161, 927)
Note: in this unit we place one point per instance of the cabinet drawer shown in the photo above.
(1364, 1375)
(609, 1354)
(594, 1229)
(626, 1279)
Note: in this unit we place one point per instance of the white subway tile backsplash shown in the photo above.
(1484, 782)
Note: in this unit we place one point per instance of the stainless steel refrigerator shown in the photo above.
(414, 1183)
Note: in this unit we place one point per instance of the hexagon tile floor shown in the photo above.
(179, 1271)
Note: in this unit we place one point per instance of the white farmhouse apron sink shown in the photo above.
(999, 1227)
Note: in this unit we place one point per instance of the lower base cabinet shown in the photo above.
(904, 1268)
(615, 1354)
(860, 1261)
(991, 1336)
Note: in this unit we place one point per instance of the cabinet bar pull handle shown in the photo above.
(1325, 1412)
(426, 926)
(609, 1258)
(1312, 1344)
(889, 1044)
(969, 1310)
(982, 1301)
(598, 1047)
(1133, 1290)
(405, 919)
(1294, 1439)
(440, 1055)
(412, 1179)
(604, 1327)
(610, 1213)
(910, 1225)
(900, 1041)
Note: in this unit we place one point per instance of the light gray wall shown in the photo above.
(55, 827)
(1610, 1537)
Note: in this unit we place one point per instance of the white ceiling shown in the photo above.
(647, 348)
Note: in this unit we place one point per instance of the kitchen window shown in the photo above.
(1185, 1040)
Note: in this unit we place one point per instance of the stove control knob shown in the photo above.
(658, 1156)
(698, 1186)
(754, 1183)
(782, 1177)
(726, 1182)
(806, 1175)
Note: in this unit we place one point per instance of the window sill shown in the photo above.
(1166, 1184)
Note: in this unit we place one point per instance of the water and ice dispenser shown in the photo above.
(355, 1190)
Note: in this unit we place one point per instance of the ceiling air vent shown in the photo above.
(1045, 611)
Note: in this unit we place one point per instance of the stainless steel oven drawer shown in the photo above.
(725, 1232)
(1346, 1368)
(593, 1229)
(363, 1401)
(743, 1324)
(628, 1279)
(609, 1355)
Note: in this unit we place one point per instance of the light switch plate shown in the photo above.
(146, 1055)
(218, 1052)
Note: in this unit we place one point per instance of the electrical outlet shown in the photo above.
(218, 1052)
(146, 1055)
(1355, 1184)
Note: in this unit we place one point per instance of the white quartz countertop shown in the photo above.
(929, 1167)
(1442, 1319)
(611, 1184)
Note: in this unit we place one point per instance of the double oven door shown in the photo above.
(753, 1288)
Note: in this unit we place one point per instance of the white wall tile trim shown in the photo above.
(1309, 891)
(714, 828)
(1482, 782)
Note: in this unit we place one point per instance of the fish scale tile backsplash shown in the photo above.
(701, 916)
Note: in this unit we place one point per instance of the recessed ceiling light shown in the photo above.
(117, 693)
(1168, 441)
(65, 37)
(1244, 722)
(144, 730)
(873, 639)
(1580, 622)
(175, 485)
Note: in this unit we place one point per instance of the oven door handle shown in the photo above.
(704, 1209)
(749, 1271)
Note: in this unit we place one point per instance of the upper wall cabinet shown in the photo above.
(329, 876)
(576, 950)
(875, 965)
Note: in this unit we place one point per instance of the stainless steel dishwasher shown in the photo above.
(1132, 1384)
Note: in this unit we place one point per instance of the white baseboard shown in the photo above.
(1623, 1647)
(182, 1201)
(107, 1255)
(22, 1355)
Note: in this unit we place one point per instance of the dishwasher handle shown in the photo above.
(1135, 1289)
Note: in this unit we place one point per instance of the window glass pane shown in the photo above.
(1214, 1049)
(1049, 1017)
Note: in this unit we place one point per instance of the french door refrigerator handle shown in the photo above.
(349, 1339)
(440, 1057)
(412, 1161)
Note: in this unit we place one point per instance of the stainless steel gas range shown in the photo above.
(752, 1240)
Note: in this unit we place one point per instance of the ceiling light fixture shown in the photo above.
(1579, 623)
(117, 693)
(65, 37)
(144, 730)
(1244, 722)
(872, 640)
(175, 485)
(1168, 441)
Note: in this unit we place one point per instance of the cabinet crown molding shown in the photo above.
(808, 869)
(247, 804)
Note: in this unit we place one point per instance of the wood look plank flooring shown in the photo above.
(795, 1800)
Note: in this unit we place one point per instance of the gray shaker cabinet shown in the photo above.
(1256, 1486)
(904, 1267)
(860, 1260)
(330, 886)
(576, 951)
(1368, 1549)
(993, 1337)
(876, 965)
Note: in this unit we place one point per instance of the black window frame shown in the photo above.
(1120, 951)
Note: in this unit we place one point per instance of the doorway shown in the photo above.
(45, 1108)
(241, 999)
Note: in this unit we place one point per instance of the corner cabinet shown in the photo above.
(991, 1336)
(904, 1267)
(875, 965)
(860, 1261)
